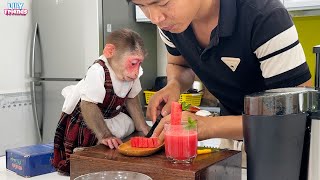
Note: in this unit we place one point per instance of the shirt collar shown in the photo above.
(227, 18)
(104, 59)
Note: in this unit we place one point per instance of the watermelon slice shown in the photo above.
(176, 111)
(140, 142)
(150, 143)
(155, 141)
(133, 141)
(143, 142)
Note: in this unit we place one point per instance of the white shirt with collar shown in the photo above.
(93, 89)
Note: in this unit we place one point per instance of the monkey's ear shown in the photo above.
(109, 50)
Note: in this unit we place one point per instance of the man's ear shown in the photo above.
(109, 50)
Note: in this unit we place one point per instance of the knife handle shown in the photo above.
(154, 126)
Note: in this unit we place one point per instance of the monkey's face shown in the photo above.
(127, 66)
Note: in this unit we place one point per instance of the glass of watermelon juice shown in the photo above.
(181, 142)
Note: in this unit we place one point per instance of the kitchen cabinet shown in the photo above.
(292, 5)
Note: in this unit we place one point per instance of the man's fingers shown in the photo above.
(155, 106)
(166, 109)
(161, 137)
(159, 129)
(152, 110)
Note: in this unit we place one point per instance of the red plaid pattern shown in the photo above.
(72, 130)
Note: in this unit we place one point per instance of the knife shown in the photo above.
(154, 126)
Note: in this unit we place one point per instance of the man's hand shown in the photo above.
(160, 102)
(111, 142)
(159, 131)
(180, 78)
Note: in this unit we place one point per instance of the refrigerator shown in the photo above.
(68, 36)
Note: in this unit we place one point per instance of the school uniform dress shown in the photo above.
(100, 86)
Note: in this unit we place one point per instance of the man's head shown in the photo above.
(125, 53)
(170, 15)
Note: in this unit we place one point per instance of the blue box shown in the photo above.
(30, 160)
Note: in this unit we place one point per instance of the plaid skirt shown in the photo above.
(71, 132)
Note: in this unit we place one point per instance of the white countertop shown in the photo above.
(8, 175)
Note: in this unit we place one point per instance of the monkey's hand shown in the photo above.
(111, 142)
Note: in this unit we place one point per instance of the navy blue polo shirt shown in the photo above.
(254, 47)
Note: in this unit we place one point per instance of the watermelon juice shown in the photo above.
(180, 143)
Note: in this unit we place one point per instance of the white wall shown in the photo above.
(161, 57)
(17, 125)
(14, 49)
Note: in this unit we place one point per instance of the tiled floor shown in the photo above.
(8, 175)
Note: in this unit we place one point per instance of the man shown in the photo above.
(236, 47)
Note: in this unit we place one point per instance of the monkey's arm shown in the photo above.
(94, 119)
(135, 110)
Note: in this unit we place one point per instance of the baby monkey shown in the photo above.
(103, 107)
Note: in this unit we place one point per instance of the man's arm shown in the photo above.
(179, 79)
(228, 127)
(135, 110)
(179, 73)
(306, 84)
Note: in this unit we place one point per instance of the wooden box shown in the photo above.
(223, 165)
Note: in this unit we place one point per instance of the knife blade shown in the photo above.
(154, 126)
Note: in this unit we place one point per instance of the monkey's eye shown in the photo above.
(134, 62)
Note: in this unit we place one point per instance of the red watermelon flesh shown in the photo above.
(176, 111)
(150, 143)
(143, 142)
(155, 141)
(133, 141)
(140, 142)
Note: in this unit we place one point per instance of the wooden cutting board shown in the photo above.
(126, 149)
(224, 165)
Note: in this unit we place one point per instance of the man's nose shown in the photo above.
(155, 15)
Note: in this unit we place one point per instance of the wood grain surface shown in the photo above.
(223, 165)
